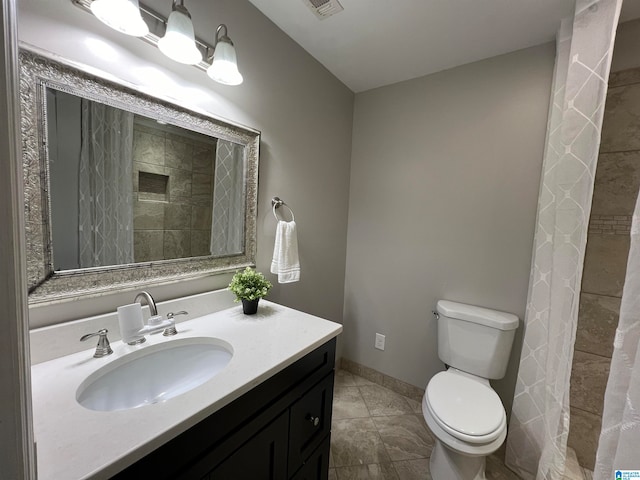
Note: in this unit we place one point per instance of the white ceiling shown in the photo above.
(379, 42)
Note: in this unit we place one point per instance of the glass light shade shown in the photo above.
(178, 42)
(121, 15)
(224, 68)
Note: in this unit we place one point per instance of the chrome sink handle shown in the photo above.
(103, 348)
(172, 330)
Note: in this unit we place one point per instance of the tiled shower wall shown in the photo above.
(172, 210)
(616, 187)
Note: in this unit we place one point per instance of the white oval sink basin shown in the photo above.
(154, 374)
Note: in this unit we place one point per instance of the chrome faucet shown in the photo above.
(146, 296)
(153, 309)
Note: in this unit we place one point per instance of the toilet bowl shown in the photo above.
(461, 409)
(468, 421)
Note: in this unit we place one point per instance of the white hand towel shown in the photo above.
(285, 262)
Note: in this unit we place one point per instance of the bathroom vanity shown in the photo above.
(267, 414)
(279, 429)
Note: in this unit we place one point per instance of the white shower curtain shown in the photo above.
(619, 445)
(539, 426)
(105, 186)
(227, 222)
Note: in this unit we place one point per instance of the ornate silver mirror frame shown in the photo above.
(46, 285)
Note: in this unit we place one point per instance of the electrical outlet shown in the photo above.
(380, 341)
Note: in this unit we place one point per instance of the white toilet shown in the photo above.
(462, 410)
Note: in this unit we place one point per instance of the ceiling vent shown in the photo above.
(324, 8)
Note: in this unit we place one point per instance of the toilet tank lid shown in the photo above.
(479, 315)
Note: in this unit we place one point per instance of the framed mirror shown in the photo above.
(123, 189)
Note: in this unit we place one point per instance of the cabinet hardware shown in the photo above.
(314, 420)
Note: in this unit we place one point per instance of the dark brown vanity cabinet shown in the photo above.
(279, 430)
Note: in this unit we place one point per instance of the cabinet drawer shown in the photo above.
(317, 465)
(263, 457)
(310, 422)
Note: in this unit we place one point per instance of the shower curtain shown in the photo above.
(227, 222)
(105, 186)
(539, 426)
(619, 442)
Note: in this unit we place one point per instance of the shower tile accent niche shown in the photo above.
(173, 188)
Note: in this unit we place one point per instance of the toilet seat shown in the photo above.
(465, 408)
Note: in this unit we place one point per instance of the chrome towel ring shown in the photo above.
(276, 203)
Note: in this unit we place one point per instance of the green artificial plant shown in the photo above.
(248, 284)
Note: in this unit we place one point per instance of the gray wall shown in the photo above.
(444, 186)
(304, 113)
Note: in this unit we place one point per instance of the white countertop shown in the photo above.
(74, 442)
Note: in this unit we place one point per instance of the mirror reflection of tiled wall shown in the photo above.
(173, 189)
(616, 187)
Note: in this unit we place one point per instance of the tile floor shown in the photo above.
(379, 434)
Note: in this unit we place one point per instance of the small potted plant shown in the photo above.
(249, 286)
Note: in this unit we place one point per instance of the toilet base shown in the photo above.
(446, 464)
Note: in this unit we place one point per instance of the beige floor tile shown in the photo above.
(344, 379)
(356, 442)
(413, 469)
(348, 403)
(382, 402)
(358, 380)
(496, 470)
(382, 471)
(415, 405)
(404, 437)
(332, 474)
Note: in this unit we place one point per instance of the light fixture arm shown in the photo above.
(218, 38)
(178, 6)
(223, 37)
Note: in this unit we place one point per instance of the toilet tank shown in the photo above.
(474, 339)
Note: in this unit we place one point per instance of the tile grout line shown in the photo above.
(372, 417)
(377, 430)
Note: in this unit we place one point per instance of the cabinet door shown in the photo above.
(316, 466)
(310, 422)
(264, 457)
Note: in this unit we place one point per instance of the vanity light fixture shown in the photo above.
(224, 64)
(175, 36)
(179, 42)
(121, 15)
